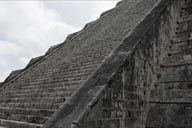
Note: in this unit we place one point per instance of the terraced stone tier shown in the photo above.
(182, 37)
(178, 47)
(171, 100)
(177, 73)
(18, 124)
(184, 26)
(164, 112)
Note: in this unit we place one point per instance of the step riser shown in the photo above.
(75, 72)
(181, 46)
(15, 124)
(183, 37)
(58, 76)
(48, 90)
(39, 93)
(181, 73)
(35, 112)
(178, 85)
(185, 26)
(174, 93)
(182, 116)
(52, 81)
(176, 59)
(31, 105)
(24, 118)
(185, 19)
(37, 100)
(47, 85)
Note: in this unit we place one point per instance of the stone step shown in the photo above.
(27, 111)
(68, 70)
(162, 100)
(88, 57)
(172, 93)
(72, 69)
(45, 85)
(64, 70)
(48, 85)
(181, 52)
(181, 119)
(175, 81)
(48, 82)
(18, 124)
(181, 46)
(185, 19)
(178, 59)
(43, 89)
(40, 92)
(24, 118)
(32, 105)
(72, 65)
(34, 99)
(177, 73)
(64, 74)
(172, 65)
(67, 85)
(58, 77)
(176, 85)
(182, 37)
(184, 26)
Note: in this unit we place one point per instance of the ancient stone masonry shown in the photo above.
(131, 68)
(171, 103)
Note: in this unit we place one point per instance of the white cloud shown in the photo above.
(32, 25)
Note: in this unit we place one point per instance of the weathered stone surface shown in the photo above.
(170, 102)
(129, 69)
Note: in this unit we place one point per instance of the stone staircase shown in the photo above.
(28, 101)
(39, 93)
(116, 72)
(171, 101)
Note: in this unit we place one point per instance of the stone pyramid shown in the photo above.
(131, 68)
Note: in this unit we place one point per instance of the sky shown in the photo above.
(29, 28)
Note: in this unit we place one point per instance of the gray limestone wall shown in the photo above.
(117, 95)
(170, 102)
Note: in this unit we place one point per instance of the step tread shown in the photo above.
(33, 105)
(4, 121)
(171, 100)
(166, 65)
(24, 118)
(28, 111)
